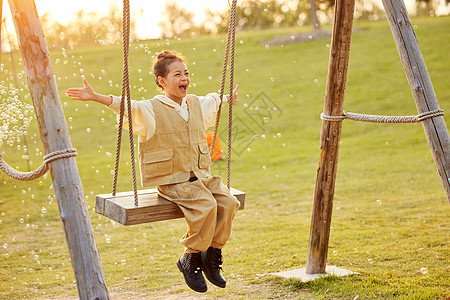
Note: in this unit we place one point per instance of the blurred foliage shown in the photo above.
(265, 14)
(91, 28)
(86, 28)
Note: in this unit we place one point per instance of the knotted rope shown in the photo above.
(28, 176)
(230, 43)
(384, 119)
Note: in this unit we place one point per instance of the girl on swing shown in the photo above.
(174, 156)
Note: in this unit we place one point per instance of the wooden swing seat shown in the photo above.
(152, 207)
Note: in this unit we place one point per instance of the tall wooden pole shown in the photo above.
(330, 136)
(421, 87)
(55, 136)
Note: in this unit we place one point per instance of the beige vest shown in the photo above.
(177, 148)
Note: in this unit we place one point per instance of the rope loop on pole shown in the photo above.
(43, 168)
(383, 119)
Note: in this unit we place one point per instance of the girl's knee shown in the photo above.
(232, 204)
(209, 205)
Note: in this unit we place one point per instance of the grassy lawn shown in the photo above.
(390, 219)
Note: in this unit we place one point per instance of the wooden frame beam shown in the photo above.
(330, 137)
(421, 87)
(55, 136)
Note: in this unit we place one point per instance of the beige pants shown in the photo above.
(209, 209)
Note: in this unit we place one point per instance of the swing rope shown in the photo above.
(383, 119)
(230, 43)
(126, 94)
(28, 176)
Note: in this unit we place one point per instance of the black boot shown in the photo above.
(190, 265)
(212, 264)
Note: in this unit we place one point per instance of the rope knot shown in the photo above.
(28, 176)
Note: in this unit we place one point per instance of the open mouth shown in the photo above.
(183, 88)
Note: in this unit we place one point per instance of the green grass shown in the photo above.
(274, 160)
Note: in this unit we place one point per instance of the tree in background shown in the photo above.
(429, 7)
(176, 21)
(314, 18)
(86, 28)
(216, 22)
(89, 28)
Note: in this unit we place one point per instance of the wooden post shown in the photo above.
(55, 136)
(330, 136)
(421, 87)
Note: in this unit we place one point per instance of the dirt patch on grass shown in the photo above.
(299, 37)
(302, 37)
(266, 290)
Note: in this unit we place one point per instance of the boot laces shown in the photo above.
(193, 262)
(217, 259)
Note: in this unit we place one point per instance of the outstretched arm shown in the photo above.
(87, 94)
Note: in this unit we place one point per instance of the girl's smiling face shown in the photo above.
(176, 82)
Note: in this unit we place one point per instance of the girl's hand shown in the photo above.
(84, 94)
(234, 98)
(88, 94)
